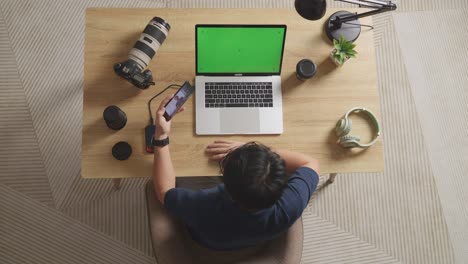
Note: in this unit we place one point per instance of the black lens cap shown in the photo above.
(122, 150)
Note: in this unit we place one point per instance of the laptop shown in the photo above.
(238, 83)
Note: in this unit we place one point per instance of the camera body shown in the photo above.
(130, 71)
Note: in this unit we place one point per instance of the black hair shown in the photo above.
(254, 176)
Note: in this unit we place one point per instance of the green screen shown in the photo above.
(239, 49)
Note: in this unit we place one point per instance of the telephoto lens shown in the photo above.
(143, 51)
(149, 42)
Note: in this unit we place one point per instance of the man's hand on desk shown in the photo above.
(220, 148)
(163, 127)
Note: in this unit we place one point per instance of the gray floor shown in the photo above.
(414, 212)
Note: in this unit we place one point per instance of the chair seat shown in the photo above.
(173, 244)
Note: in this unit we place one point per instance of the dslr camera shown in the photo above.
(133, 69)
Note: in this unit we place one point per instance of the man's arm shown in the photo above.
(163, 171)
(294, 160)
(220, 148)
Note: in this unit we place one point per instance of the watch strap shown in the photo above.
(160, 143)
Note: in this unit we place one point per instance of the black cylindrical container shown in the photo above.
(122, 150)
(305, 69)
(115, 118)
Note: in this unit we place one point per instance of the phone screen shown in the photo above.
(178, 100)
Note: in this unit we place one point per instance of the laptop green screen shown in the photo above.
(239, 49)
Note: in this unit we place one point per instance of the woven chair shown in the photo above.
(173, 245)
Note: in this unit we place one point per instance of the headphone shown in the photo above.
(343, 127)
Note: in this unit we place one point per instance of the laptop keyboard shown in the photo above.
(238, 94)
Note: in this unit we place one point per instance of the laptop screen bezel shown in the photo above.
(239, 26)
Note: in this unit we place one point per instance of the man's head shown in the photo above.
(254, 175)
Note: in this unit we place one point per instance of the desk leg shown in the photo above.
(331, 179)
(116, 182)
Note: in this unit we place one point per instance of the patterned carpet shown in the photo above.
(441, 101)
(413, 212)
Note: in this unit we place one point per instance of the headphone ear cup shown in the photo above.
(339, 127)
(349, 141)
(343, 127)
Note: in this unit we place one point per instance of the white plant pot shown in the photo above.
(335, 61)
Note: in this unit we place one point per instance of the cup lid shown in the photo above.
(306, 68)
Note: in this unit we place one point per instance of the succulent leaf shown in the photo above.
(343, 50)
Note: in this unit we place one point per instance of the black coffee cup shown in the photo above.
(305, 69)
(115, 118)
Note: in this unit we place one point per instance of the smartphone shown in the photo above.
(178, 100)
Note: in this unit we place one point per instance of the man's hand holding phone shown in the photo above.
(163, 127)
(180, 97)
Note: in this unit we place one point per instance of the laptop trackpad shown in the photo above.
(239, 120)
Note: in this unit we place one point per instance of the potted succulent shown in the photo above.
(343, 51)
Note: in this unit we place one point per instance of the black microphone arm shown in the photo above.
(380, 7)
(335, 27)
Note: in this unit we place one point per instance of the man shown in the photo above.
(258, 200)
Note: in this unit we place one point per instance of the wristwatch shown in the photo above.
(160, 143)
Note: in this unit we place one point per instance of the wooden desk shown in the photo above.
(310, 108)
